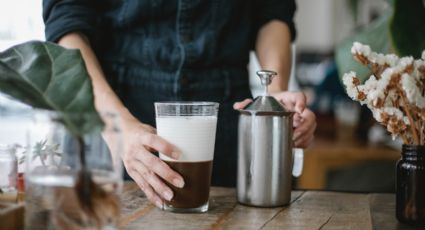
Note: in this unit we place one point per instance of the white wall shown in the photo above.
(20, 20)
(322, 24)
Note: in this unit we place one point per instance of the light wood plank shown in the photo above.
(309, 210)
(245, 217)
(222, 201)
(382, 208)
(325, 210)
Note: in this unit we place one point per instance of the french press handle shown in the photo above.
(298, 162)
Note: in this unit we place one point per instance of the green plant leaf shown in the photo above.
(353, 7)
(48, 76)
(375, 35)
(407, 28)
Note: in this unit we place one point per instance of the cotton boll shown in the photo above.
(381, 60)
(348, 80)
(406, 120)
(385, 79)
(371, 83)
(373, 57)
(411, 90)
(356, 47)
(419, 69)
(392, 96)
(359, 48)
(394, 112)
(373, 96)
(377, 115)
(366, 51)
(404, 62)
(419, 63)
(377, 58)
(423, 55)
(391, 59)
(356, 93)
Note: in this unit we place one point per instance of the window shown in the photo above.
(20, 21)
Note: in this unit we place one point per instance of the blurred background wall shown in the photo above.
(351, 151)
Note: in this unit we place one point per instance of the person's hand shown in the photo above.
(147, 170)
(304, 119)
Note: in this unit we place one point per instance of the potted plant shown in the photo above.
(70, 182)
(395, 93)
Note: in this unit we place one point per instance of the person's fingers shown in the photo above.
(297, 120)
(300, 102)
(305, 128)
(146, 188)
(153, 180)
(242, 104)
(148, 128)
(160, 168)
(294, 101)
(159, 144)
(304, 142)
(305, 131)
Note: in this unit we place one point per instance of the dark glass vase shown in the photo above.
(410, 190)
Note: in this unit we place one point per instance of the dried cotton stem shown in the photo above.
(409, 116)
(395, 92)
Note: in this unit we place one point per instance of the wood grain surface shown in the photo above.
(308, 210)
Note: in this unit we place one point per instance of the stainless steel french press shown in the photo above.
(265, 155)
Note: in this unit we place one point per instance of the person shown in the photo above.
(138, 52)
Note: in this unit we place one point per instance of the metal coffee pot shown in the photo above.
(265, 155)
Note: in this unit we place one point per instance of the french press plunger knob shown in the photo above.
(266, 77)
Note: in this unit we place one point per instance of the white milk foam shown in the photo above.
(194, 136)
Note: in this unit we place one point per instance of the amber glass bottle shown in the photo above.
(410, 190)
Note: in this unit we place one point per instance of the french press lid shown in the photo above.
(265, 104)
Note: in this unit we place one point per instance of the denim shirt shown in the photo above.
(167, 50)
(167, 35)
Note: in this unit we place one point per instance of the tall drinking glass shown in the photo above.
(191, 127)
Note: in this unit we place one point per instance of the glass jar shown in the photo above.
(14, 120)
(59, 192)
(410, 190)
(8, 174)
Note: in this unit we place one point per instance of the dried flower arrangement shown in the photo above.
(395, 92)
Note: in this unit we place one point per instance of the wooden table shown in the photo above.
(308, 210)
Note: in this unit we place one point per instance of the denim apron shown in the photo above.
(179, 58)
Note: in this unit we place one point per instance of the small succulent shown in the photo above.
(41, 150)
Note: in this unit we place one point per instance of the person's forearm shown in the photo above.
(105, 98)
(273, 48)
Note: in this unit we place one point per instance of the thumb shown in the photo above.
(299, 106)
(241, 104)
(300, 102)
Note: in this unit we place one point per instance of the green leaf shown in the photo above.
(407, 27)
(22, 159)
(375, 35)
(48, 76)
(353, 7)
